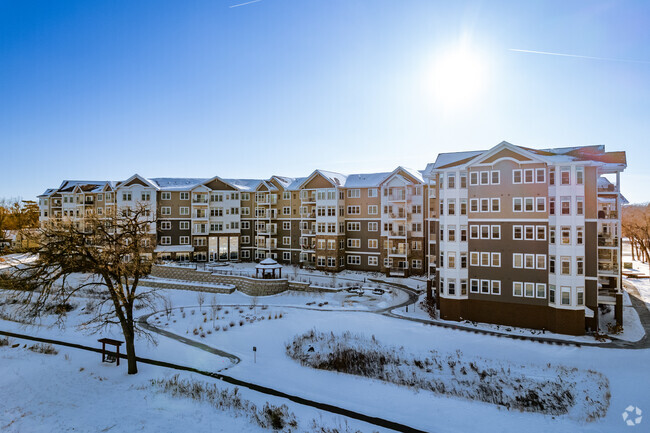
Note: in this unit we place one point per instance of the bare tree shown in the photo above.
(214, 306)
(200, 298)
(635, 225)
(115, 250)
(167, 306)
(254, 302)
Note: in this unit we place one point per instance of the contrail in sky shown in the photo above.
(579, 56)
(244, 4)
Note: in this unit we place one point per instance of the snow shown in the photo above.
(365, 180)
(625, 369)
(15, 259)
(174, 183)
(452, 157)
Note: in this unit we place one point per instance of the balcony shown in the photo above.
(200, 201)
(607, 214)
(310, 198)
(268, 231)
(308, 214)
(607, 241)
(398, 251)
(608, 267)
(308, 232)
(399, 233)
(397, 197)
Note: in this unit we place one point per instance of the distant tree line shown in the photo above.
(16, 214)
(636, 227)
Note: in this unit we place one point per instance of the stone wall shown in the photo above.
(186, 285)
(247, 285)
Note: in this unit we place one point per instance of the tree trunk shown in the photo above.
(130, 353)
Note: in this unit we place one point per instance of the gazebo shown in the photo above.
(268, 267)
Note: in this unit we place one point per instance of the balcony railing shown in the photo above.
(200, 200)
(607, 215)
(608, 267)
(397, 233)
(607, 241)
(308, 232)
(398, 251)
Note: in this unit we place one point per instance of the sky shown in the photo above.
(199, 88)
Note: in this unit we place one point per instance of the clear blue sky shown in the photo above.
(105, 89)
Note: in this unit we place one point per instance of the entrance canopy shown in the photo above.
(268, 268)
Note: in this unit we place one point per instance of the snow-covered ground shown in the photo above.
(273, 368)
(642, 284)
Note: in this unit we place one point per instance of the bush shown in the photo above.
(44, 348)
(4, 341)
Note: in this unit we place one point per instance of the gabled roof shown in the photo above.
(410, 172)
(451, 159)
(144, 180)
(244, 185)
(84, 185)
(365, 180)
(283, 180)
(268, 185)
(295, 185)
(48, 192)
(336, 179)
(217, 178)
(177, 183)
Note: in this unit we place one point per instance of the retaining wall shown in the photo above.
(247, 285)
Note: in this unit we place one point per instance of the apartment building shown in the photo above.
(527, 237)
(509, 235)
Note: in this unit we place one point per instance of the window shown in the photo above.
(551, 235)
(565, 235)
(541, 290)
(551, 264)
(463, 287)
(373, 243)
(551, 176)
(565, 173)
(354, 193)
(566, 295)
(463, 233)
(331, 244)
(529, 290)
(354, 227)
(529, 233)
(517, 288)
(473, 205)
(529, 261)
(451, 286)
(245, 225)
(416, 227)
(373, 209)
(145, 196)
(528, 175)
(541, 233)
(184, 240)
(451, 260)
(565, 208)
(485, 178)
(463, 260)
(496, 232)
(463, 206)
(517, 260)
(540, 261)
(165, 210)
(372, 261)
(485, 287)
(580, 296)
(580, 175)
(372, 192)
(463, 180)
(373, 227)
(580, 265)
(354, 210)
(245, 196)
(184, 225)
(451, 181)
(516, 176)
(580, 205)
(485, 205)
(551, 293)
(496, 287)
(451, 207)
(485, 259)
(540, 175)
(473, 178)
(496, 177)
(473, 258)
(184, 210)
(451, 234)
(541, 204)
(165, 225)
(580, 233)
(565, 265)
(496, 260)
(473, 286)
(528, 204)
(185, 196)
(354, 260)
(485, 232)
(126, 196)
(517, 233)
(496, 205)
(551, 206)
(517, 204)
(473, 232)
(165, 195)
(165, 240)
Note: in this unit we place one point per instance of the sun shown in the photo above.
(458, 77)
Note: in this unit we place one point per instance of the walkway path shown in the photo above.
(380, 422)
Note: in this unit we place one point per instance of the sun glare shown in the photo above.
(458, 78)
